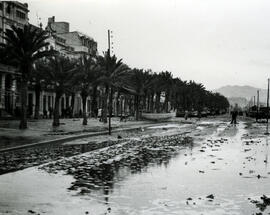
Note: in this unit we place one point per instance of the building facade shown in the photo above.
(70, 44)
(76, 43)
(11, 13)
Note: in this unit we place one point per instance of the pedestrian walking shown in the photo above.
(199, 115)
(234, 114)
(100, 114)
(45, 116)
(186, 114)
(50, 112)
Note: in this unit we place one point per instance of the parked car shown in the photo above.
(180, 113)
(204, 114)
(193, 114)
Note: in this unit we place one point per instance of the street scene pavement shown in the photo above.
(42, 130)
(200, 167)
(134, 107)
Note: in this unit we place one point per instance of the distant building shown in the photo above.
(11, 13)
(70, 44)
(74, 44)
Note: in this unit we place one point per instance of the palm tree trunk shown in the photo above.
(137, 105)
(37, 92)
(24, 90)
(166, 102)
(56, 119)
(152, 102)
(125, 105)
(105, 105)
(110, 110)
(84, 109)
(117, 104)
(72, 105)
(158, 102)
(148, 102)
(131, 109)
(144, 101)
(94, 109)
(121, 106)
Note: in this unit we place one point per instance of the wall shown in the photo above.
(60, 27)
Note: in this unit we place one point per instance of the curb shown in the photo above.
(66, 139)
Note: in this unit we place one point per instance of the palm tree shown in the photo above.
(139, 81)
(59, 76)
(178, 94)
(24, 46)
(167, 85)
(157, 85)
(85, 78)
(112, 75)
(37, 80)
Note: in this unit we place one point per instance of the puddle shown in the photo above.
(197, 180)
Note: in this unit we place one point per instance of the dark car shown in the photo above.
(180, 113)
(204, 114)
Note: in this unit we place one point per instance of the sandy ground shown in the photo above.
(208, 167)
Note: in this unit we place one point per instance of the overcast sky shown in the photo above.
(214, 42)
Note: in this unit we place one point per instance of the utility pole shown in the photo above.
(254, 101)
(109, 42)
(258, 99)
(110, 90)
(267, 112)
(258, 95)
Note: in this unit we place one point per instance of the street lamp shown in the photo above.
(267, 117)
(110, 90)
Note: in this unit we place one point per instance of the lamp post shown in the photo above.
(258, 101)
(110, 90)
(267, 111)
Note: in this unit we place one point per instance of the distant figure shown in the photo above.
(199, 115)
(234, 114)
(186, 114)
(17, 111)
(50, 112)
(100, 114)
(70, 112)
(45, 116)
(95, 114)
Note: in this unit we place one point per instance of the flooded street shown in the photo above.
(223, 170)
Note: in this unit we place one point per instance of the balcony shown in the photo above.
(81, 49)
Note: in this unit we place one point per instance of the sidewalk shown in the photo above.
(41, 131)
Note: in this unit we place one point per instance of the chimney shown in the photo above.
(51, 19)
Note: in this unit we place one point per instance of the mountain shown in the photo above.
(241, 101)
(238, 94)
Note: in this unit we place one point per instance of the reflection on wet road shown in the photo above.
(224, 171)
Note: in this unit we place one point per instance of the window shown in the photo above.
(20, 14)
(8, 31)
(1, 6)
(8, 9)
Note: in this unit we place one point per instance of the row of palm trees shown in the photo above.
(104, 76)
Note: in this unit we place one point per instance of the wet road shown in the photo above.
(220, 173)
